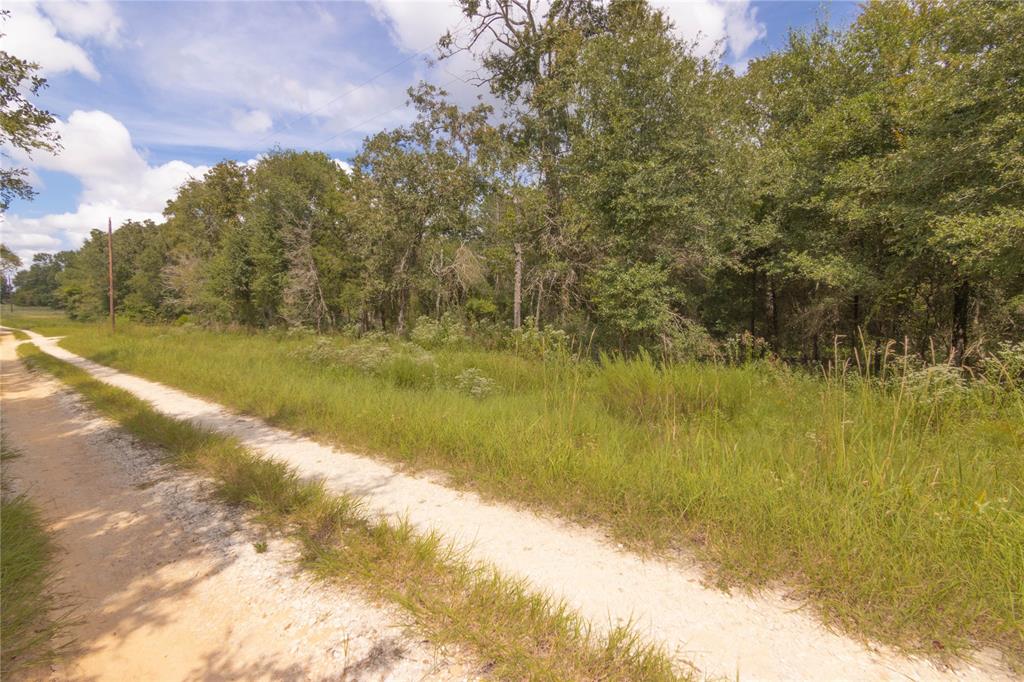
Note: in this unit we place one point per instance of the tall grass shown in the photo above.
(895, 505)
(517, 633)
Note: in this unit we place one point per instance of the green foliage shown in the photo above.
(635, 301)
(23, 125)
(890, 496)
(38, 285)
(9, 264)
(472, 381)
(450, 600)
(431, 333)
(867, 180)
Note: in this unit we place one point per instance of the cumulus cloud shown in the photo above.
(252, 122)
(707, 23)
(240, 68)
(116, 182)
(31, 35)
(416, 24)
(85, 20)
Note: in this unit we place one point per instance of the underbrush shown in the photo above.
(518, 633)
(892, 500)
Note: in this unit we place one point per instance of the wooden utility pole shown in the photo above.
(110, 269)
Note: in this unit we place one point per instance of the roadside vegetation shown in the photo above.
(772, 317)
(32, 617)
(518, 634)
(890, 497)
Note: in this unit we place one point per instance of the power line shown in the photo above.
(384, 113)
(375, 117)
(348, 92)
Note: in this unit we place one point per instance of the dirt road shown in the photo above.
(168, 584)
(765, 636)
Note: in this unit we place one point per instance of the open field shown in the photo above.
(895, 509)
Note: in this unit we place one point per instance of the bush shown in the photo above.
(529, 341)
(474, 382)
(481, 308)
(446, 332)
(688, 340)
(1005, 366)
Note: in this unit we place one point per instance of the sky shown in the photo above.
(150, 94)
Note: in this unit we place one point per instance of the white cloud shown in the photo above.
(706, 23)
(253, 122)
(30, 35)
(232, 62)
(343, 165)
(416, 25)
(116, 182)
(85, 20)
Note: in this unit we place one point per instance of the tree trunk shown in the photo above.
(517, 295)
(961, 320)
(403, 303)
(855, 332)
(753, 302)
(540, 297)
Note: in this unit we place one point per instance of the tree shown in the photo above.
(22, 125)
(418, 184)
(38, 285)
(9, 264)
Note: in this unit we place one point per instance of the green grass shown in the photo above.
(518, 633)
(897, 510)
(32, 618)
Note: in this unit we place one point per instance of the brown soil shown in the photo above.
(167, 584)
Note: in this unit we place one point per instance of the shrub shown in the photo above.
(446, 332)
(1005, 365)
(474, 382)
(529, 341)
(480, 308)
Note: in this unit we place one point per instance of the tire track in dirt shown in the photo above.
(168, 584)
(763, 636)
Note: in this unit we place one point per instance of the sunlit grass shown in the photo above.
(517, 633)
(897, 510)
(32, 616)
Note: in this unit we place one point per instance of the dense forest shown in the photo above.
(861, 184)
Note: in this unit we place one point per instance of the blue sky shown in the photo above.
(149, 94)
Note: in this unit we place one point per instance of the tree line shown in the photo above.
(858, 183)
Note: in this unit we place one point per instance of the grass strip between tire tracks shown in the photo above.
(33, 617)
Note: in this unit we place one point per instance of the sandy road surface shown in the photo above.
(765, 637)
(168, 585)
